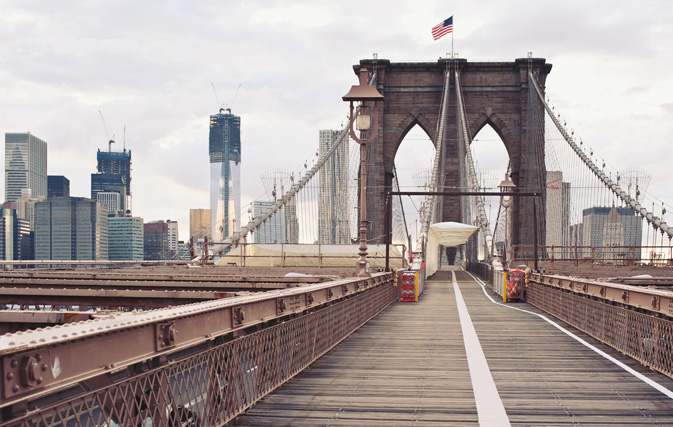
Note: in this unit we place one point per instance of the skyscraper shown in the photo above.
(58, 186)
(172, 238)
(125, 238)
(199, 223)
(71, 228)
(557, 212)
(605, 226)
(156, 241)
(25, 165)
(225, 173)
(333, 207)
(276, 182)
(113, 176)
(15, 237)
(273, 229)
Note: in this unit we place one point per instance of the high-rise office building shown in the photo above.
(126, 238)
(107, 184)
(156, 241)
(225, 174)
(116, 162)
(276, 182)
(58, 186)
(16, 242)
(25, 165)
(333, 206)
(557, 213)
(273, 229)
(172, 239)
(71, 228)
(112, 202)
(25, 207)
(605, 226)
(199, 223)
(113, 176)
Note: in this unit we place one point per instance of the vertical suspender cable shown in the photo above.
(656, 222)
(472, 175)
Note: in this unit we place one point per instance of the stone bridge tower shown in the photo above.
(494, 93)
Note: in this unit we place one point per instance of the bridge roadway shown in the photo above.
(421, 364)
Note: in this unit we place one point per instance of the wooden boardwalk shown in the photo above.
(409, 367)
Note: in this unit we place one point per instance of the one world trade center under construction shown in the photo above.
(225, 173)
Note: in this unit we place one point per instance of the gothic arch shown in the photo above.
(494, 93)
(498, 125)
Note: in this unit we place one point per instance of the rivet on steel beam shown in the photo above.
(28, 372)
(239, 315)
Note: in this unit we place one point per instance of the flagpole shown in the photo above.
(452, 31)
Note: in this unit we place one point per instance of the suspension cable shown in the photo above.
(481, 211)
(656, 222)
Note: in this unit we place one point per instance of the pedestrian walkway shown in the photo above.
(442, 362)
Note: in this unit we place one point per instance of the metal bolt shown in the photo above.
(14, 363)
(15, 388)
(10, 376)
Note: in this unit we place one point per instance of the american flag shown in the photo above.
(443, 28)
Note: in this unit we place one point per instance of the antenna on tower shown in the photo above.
(125, 138)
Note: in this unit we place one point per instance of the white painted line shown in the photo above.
(628, 369)
(490, 410)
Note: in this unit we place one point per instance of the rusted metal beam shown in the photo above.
(39, 362)
(139, 284)
(130, 275)
(105, 298)
(652, 300)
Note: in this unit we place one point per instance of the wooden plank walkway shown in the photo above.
(409, 366)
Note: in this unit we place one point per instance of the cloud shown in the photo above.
(149, 66)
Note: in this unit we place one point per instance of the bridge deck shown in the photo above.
(409, 366)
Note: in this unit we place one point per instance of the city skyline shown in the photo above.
(153, 72)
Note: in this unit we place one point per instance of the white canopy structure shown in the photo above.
(447, 234)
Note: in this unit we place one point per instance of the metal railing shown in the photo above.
(200, 364)
(615, 255)
(637, 322)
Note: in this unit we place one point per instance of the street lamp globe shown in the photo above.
(361, 117)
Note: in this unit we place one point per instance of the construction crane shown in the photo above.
(233, 98)
(219, 104)
(225, 106)
(110, 140)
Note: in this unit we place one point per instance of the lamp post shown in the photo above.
(362, 119)
(506, 187)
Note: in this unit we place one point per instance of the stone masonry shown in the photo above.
(494, 93)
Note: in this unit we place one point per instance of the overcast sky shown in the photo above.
(149, 65)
